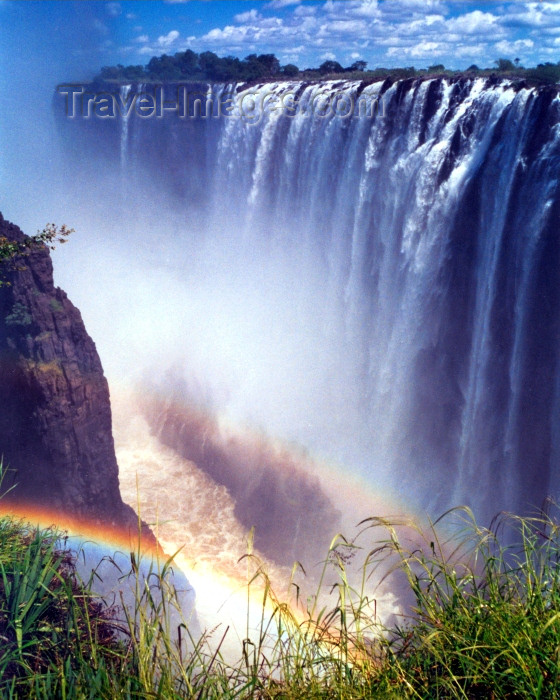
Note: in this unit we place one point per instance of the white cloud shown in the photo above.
(350, 28)
(404, 10)
(328, 56)
(265, 34)
(279, 4)
(424, 49)
(476, 22)
(249, 16)
(169, 38)
(472, 51)
(353, 8)
(419, 32)
(430, 20)
(292, 56)
(547, 31)
(511, 47)
(228, 33)
(100, 27)
(142, 39)
(422, 5)
(113, 9)
(536, 15)
(305, 10)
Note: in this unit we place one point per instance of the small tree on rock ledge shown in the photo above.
(10, 250)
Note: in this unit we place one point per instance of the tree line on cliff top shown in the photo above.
(191, 66)
(188, 65)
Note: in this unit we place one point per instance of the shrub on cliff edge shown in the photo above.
(11, 252)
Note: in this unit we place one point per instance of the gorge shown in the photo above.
(306, 317)
(380, 288)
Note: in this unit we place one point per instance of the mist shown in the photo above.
(163, 285)
(349, 298)
(188, 304)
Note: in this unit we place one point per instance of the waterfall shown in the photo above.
(124, 93)
(382, 287)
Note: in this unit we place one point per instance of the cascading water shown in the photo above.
(124, 93)
(382, 288)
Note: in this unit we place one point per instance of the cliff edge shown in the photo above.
(55, 420)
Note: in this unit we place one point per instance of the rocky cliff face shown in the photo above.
(55, 416)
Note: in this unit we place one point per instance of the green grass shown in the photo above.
(483, 621)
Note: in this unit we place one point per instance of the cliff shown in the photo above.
(55, 422)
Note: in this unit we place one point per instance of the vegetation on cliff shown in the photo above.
(13, 251)
(484, 623)
(207, 66)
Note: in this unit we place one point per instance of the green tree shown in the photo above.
(253, 69)
(330, 67)
(270, 63)
(504, 64)
(134, 73)
(11, 251)
(163, 68)
(187, 61)
(290, 70)
(545, 73)
(109, 73)
(210, 65)
(228, 68)
(359, 66)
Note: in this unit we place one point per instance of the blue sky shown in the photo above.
(306, 32)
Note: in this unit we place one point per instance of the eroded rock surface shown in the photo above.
(55, 416)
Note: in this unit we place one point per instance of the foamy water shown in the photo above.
(191, 513)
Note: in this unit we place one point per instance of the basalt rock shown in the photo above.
(55, 417)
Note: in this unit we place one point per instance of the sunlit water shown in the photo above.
(193, 518)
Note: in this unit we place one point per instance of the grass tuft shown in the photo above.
(482, 621)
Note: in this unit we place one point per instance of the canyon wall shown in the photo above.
(55, 422)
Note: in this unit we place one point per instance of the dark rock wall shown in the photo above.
(55, 418)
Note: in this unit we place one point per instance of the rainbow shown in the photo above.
(81, 528)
